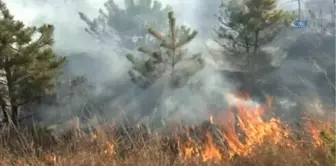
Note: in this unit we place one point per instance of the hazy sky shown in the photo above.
(70, 29)
(64, 15)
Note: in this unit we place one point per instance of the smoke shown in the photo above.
(70, 35)
(120, 93)
(121, 97)
(309, 66)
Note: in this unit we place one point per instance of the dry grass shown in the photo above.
(140, 148)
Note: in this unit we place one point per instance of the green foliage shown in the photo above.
(27, 62)
(126, 24)
(248, 24)
(169, 59)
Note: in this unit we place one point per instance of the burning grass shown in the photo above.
(246, 134)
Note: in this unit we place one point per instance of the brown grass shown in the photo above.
(139, 148)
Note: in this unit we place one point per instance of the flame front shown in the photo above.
(210, 152)
(110, 148)
(242, 128)
(239, 131)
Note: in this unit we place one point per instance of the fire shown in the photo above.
(254, 129)
(189, 151)
(242, 128)
(50, 159)
(314, 131)
(211, 152)
(211, 119)
(110, 148)
(238, 131)
(315, 122)
(315, 128)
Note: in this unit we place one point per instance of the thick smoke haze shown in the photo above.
(70, 38)
(70, 35)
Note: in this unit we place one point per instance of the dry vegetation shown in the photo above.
(244, 135)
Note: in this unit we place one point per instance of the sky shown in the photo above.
(69, 33)
(63, 14)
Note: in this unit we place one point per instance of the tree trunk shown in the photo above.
(4, 110)
(255, 55)
(5, 114)
(247, 45)
(15, 115)
(10, 86)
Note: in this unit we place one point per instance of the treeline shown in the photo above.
(30, 68)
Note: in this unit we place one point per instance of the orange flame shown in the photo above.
(210, 152)
(314, 131)
(50, 159)
(110, 148)
(315, 127)
(243, 130)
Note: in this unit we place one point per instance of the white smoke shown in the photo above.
(71, 37)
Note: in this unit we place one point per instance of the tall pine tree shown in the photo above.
(170, 59)
(246, 25)
(126, 27)
(28, 64)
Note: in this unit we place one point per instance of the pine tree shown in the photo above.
(170, 59)
(246, 25)
(28, 64)
(126, 27)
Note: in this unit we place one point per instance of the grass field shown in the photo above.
(241, 136)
